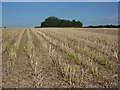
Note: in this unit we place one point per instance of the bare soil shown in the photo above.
(60, 58)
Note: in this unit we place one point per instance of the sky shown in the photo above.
(31, 14)
(0, 14)
(60, 0)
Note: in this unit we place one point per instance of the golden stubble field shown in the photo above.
(59, 57)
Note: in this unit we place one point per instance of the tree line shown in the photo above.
(56, 22)
(104, 26)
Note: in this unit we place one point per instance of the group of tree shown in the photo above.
(56, 22)
(104, 26)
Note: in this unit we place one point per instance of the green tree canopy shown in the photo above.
(56, 22)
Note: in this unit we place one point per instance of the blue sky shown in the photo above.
(30, 14)
(60, 0)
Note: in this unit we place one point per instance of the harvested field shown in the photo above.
(0, 58)
(59, 57)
